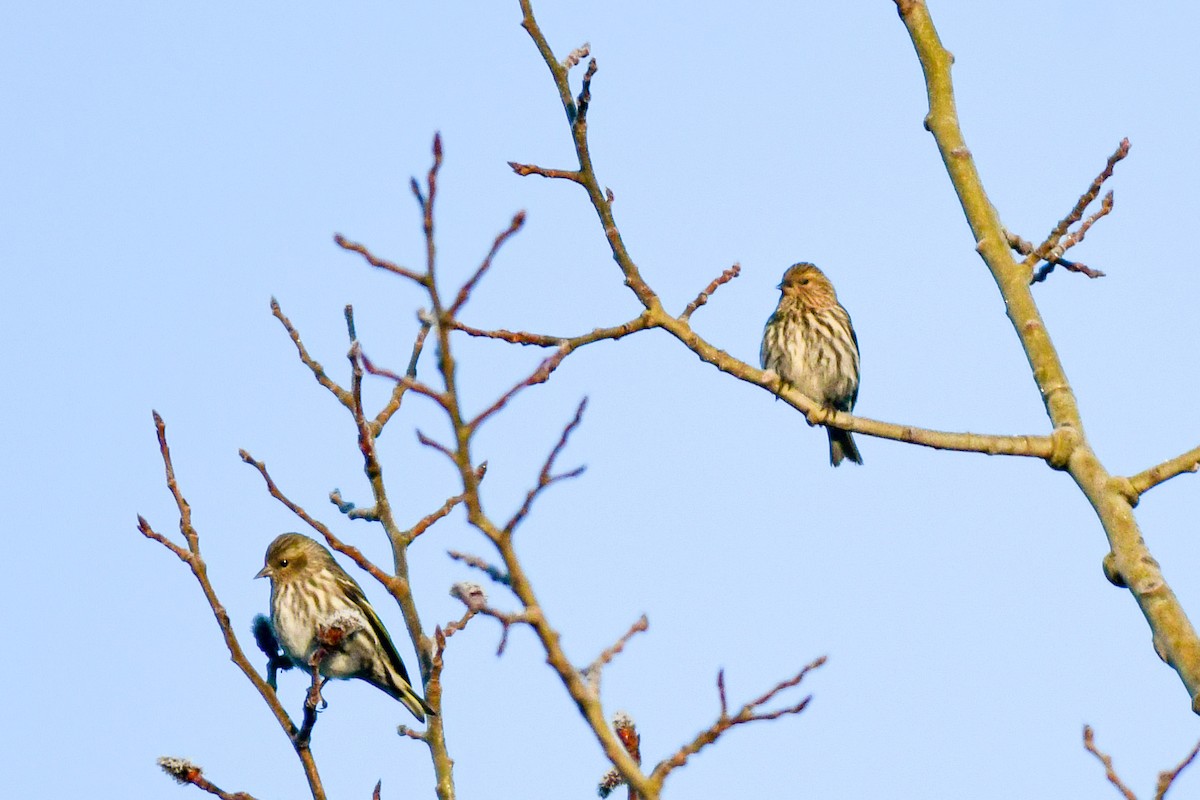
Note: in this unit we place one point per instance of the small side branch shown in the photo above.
(185, 772)
(1054, 245)
(393, 404)
(594, 670)
(191, 556)
(474, 598)
(1167, 779)
(1025, 247)
(533, 169)
(495, 573)
(394, 585)
(313, 365)
(585, 93)
(749, 713)
(429, 519)
(545, 478)
(1089, 743)
(465, 292)
(380, 263)
(702, 298)
(572, 343)
(1147, 479)
(407, 381)
(539, 375)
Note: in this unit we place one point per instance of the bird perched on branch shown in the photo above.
(810, 344)
(321, 615)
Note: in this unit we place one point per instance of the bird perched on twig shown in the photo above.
(810, 344)
(311, 594)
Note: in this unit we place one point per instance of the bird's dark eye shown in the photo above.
(283, 562)
(804, 281)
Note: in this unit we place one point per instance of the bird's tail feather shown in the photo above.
(841, 446)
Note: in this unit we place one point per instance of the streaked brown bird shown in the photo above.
(310, 592)
(810, 344)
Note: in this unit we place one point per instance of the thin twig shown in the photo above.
(594, 670)
(609, 653)
(1043, 251)
(465, 292)
(393, 404)
(375, 261)
(534, 169)
(1025, 247)
(408, 381)
(1146, 480)
(495, 573)
(748, 713)
(187, 773)
(191, 556)
(585, 94)
(639, 323)
(717, 283)
(394, 585)
(540, 375)
(544, 477)
(1167, 779)
(1089, 743)
(313, 365)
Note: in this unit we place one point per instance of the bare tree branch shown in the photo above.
(748, 713)
(465, 292)
(1146, 480)
(1167, 779)
(374, 261)
(314, 366)
(191, 556)
(185, 772)
(1130, 563)
(544, 477)
(1050, 249)
(1089, 742)
(702, 298)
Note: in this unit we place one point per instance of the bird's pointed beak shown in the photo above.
(780, 286)
(265, 572)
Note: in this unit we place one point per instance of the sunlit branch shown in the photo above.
(1147, 479)
(313, 365)
(185, 772)
(375, 261)
(749, 713)
(545, 478)
(191, 556)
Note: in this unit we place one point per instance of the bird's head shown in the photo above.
(291, 555)
(807, 284)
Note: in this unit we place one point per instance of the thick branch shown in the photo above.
(1130, 561)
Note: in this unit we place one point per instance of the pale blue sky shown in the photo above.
(167, 168)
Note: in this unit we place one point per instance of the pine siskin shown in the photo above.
(310, 593)
(810, 343)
